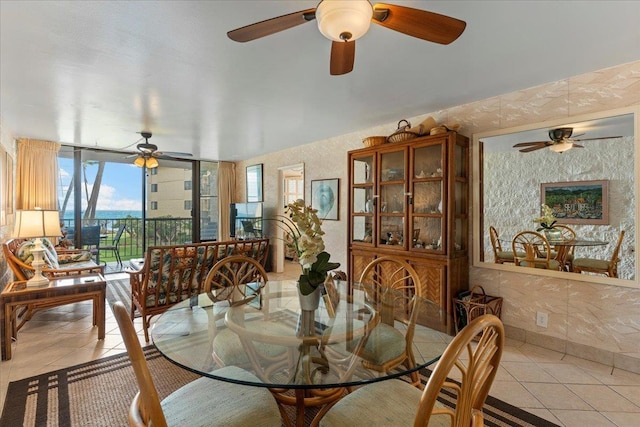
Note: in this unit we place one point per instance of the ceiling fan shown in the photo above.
(345, 21)
(149, 153)
(559, 141)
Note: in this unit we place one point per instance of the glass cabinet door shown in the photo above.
(428, 207)
(393, 198)
(362, 199)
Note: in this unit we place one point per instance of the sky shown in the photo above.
(121, 187)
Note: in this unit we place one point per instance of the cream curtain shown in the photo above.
(226, 195)
(37, 174)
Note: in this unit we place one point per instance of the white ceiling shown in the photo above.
(94, 73)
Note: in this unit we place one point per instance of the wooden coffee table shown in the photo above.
(61, 291)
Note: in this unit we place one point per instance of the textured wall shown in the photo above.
(7, 142)
(512, 194)
(582, 317)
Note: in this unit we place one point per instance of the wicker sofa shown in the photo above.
(171, 274)
(60, 262)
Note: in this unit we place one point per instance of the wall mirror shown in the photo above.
(509, 187)
(254, 183)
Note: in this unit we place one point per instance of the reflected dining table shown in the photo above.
(305, 358)
(564, 247)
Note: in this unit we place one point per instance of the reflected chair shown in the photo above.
(567, 234)
(90, 240)
(600, 266)
(532, 249)
(203, 402)
(395, 285)
(396, 403)
(114, 246)
(237, 278)
(500, 256)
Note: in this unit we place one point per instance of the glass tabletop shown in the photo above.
(578, 242)
(286, 347)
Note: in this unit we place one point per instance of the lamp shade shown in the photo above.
(139, 161)
(344, 20)
(151, 163)
(37, 223)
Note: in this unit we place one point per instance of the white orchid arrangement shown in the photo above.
(304, 228)
(547, 220)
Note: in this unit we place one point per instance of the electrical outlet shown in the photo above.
(542, 319)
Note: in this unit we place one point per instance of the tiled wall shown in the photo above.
(595, 321)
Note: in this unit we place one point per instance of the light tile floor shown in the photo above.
(564, 389)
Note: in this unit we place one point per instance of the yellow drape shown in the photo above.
(226, 195)
(37, 174)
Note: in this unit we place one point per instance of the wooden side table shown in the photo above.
(62, 291)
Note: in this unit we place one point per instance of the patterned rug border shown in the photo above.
(119, 290)
(18, 407)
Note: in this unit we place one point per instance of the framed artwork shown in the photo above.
(324, 198)
(577, 202)
(254, 183)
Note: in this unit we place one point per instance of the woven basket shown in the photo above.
(402, 134)
(372, 141)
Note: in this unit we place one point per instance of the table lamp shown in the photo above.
(35, 224)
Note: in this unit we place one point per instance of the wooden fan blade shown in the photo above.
(595, 139)
(527, 144)
(534, 148)
(271, 26)
(424, 25)
(577, 145)
(342, 57)
(171, 154)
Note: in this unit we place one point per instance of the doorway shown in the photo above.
(291, 188)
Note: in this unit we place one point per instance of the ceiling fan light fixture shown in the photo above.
(139, 161)
(561, 147)
(344, 20)
(151, 163)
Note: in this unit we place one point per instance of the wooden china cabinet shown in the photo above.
(411, 200)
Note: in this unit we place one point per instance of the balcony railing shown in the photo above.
(159, 232)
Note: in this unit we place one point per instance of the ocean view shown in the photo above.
(68, 215)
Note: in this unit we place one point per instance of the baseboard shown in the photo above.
(627, 362)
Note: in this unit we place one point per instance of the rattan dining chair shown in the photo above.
(600, 266)
(203, 402)
(500, 256)
(396, 403)
(238, 279)
(398, 283)
(532, 250)
(567, 233)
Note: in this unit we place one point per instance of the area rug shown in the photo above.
(119, 290)
(98, 393)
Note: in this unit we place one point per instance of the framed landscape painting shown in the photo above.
(577, 202)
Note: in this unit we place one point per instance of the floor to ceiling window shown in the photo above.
(157, 206)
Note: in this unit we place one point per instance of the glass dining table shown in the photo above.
(305, 358)
(564, 246)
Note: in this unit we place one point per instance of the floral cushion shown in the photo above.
(176, 274)
(49, 255)
(74, 257)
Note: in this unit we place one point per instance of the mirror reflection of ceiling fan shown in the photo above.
(559, 141)
(149, 154)
(345, 21)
